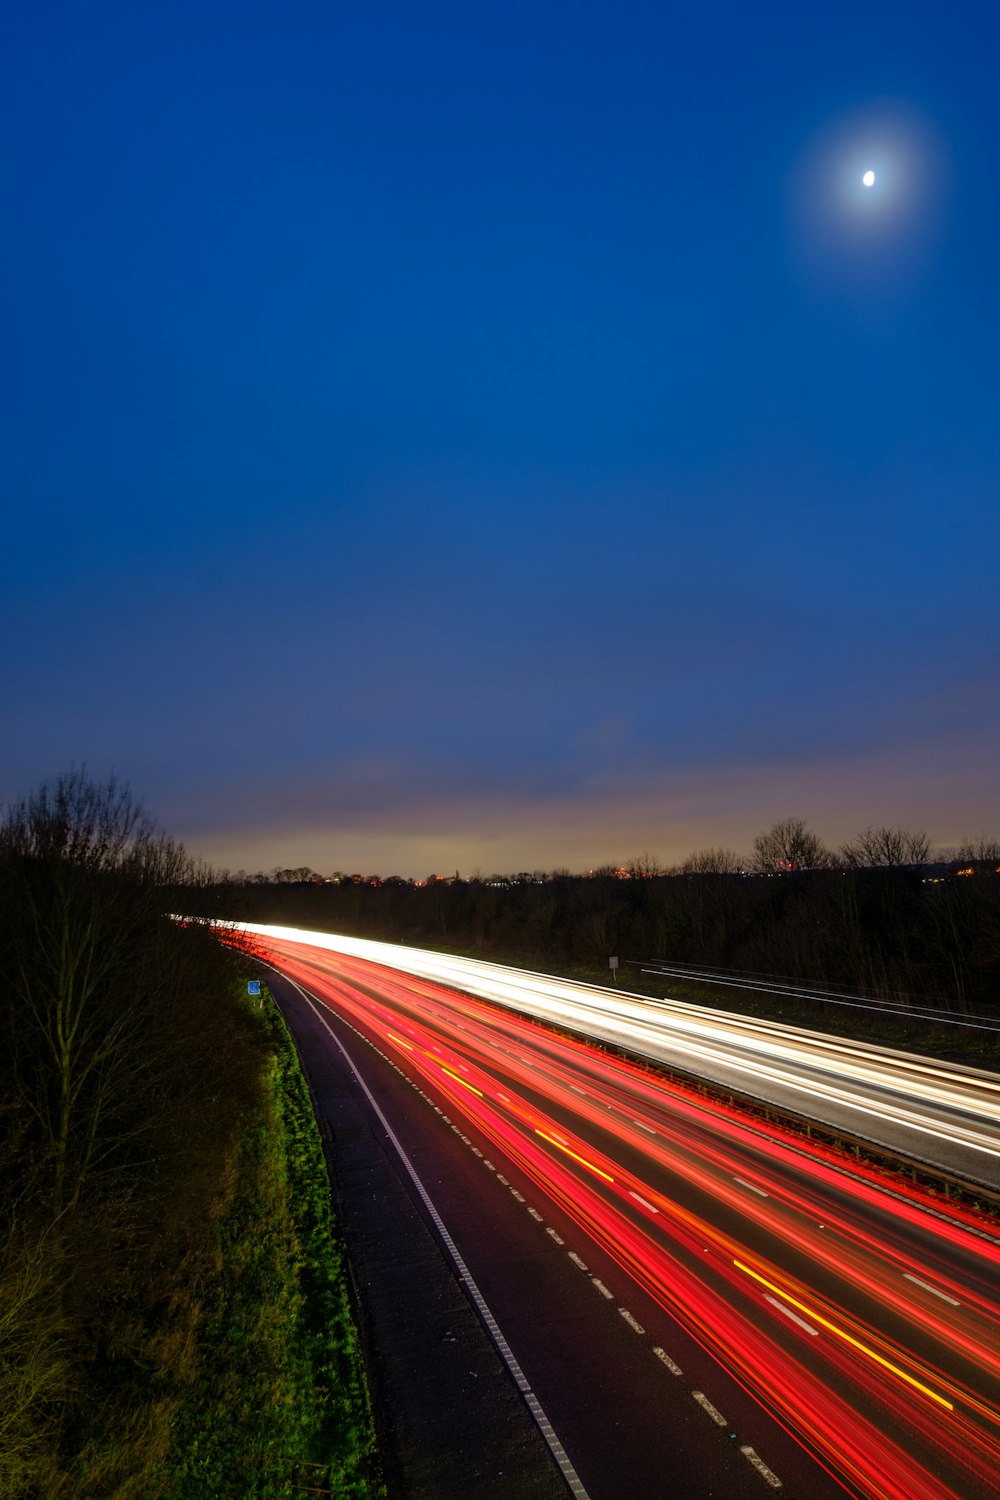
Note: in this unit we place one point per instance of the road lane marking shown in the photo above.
(849, 1339)
(640, 1199)
(506, 1353)
(662, 1354)
(928, 1288)
(789, 1314)
(759, 1191)
(647, 1128)
(602, 1288)
(768, 1475)
(631, 1320)
(557, 1237)
(576, 1260)
(536, 1215)
(706, 1406)
(517, 1195)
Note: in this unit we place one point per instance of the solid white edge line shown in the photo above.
(506, 1353)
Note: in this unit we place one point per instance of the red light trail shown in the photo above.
(862, 1321)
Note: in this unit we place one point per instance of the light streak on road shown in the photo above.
(944, 1114)
(886, 1364)
(811, 1312)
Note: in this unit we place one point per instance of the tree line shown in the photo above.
(874, 916)
(127, 1063)
(788, 846)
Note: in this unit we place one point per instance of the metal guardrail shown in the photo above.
(766, 984)
(952, 1185)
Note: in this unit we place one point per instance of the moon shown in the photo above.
(869, 178)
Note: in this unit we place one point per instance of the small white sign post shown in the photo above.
(613, 963)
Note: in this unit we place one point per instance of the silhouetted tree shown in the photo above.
(885, 848)
(713, 862)
(790, 845)
(125, 1060)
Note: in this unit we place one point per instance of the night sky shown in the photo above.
(503, 436)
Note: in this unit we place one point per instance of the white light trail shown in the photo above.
(954, 1110)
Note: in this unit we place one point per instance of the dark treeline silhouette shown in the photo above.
(874, 917)
(126, 1065)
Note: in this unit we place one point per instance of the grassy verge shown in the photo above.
(277, 1403)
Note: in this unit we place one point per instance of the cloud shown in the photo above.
(949, 790)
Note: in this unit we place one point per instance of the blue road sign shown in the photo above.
(253, 986)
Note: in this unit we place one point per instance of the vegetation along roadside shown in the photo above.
(174, 1316)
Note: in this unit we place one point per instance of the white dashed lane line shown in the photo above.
(789, 1314)
(664, 1357)
(768, 1475)
(928, 1288)
(759, 1191)
(707, 1406)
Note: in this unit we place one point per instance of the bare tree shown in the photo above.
(886, 848)
(790, 845)
(983, 854)
(643, 867)
(84, 865)
(713, 862)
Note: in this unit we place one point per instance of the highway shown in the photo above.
(943, 1114)
(834, 1334)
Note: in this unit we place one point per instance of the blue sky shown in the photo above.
(503, 436)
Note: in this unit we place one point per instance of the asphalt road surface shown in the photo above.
(686, 1302)
(942, 1114)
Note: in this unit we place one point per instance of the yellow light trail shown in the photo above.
(398, 1040)
(841, 1334)
(581, 1159)
(461, 1081)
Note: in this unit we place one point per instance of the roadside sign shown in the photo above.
(613, 965)
(253, 986)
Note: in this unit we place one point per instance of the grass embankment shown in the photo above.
(276, 1401)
